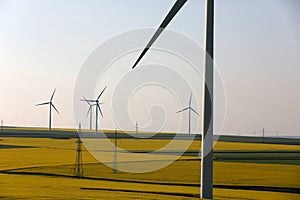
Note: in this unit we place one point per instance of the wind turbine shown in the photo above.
(189, 108)
(90, 111)
(50, 107)
(206, 190)
(97, 104)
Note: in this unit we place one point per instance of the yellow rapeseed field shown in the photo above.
(57, 156)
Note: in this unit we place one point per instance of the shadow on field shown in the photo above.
(232, 187)
(6, 146)
(145, 192)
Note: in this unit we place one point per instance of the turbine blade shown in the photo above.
(190, 102)
(182, 110)
(42, 104)
(174, 10)
(99, 109)
(84, 99)
(195, 111)
(101, 92)
(89, 110)
(53, 94)
(88, 100)
(54, 108)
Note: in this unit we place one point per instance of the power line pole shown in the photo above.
(136, 128)
(189, 120)
(263, 132)
(1, 126)
(78, 168)
(115, 168)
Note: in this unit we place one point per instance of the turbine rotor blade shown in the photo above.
(89, 110)
(53, 94)
(88, 100)
(101, 93)
(195, 111)
(54, 107)
(84, 99)
(42, 104)
(174, 10)
(99, 109)
(182, 110)
(190, 102)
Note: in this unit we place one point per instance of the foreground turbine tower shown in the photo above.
(206, 190)
(50, 111)
(207, 136)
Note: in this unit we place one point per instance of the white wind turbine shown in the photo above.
(97, 104)
(51, 105)
(90, 111)
(189, 108)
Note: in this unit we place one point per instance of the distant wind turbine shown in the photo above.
(90, 111)
(206, 190)
(50, 107)
(189, 108)
(98, 108)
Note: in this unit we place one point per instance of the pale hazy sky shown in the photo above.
(43, 45)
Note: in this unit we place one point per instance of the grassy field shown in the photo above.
(42, 168)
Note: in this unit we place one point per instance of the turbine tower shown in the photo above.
(90, 111)
(97, 104)
(206, 190)
(51, 105)
(189, 108)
